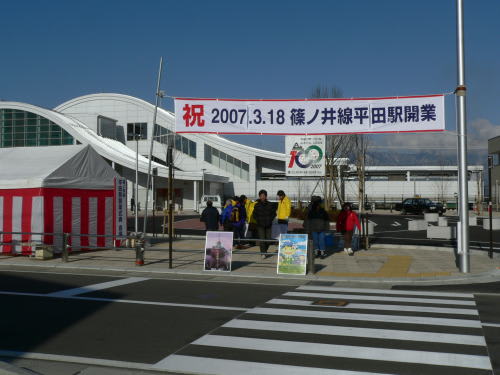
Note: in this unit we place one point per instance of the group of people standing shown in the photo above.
(317, 224)
(241, 214)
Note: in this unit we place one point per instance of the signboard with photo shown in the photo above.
(306, 155)
(292, 254)
(218, 251)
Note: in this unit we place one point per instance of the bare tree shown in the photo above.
(359, 146)
(443, 180)
(336, 153)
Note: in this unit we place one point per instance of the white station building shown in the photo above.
(204, 164)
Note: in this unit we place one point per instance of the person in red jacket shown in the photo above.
(345, 224)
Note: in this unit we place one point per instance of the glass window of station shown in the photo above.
(24, 129)
(137, 130)
(180, 143)
(227, 163)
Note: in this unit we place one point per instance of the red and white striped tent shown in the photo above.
(55, 189)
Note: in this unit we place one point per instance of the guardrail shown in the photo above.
(136, 243)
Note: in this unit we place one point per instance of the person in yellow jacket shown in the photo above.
(249, 206)
(284, 211)
(250, 220)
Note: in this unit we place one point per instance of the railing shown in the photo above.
(139, 245)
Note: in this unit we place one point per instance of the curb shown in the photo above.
(489, 276)
(8, 369)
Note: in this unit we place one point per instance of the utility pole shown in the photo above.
(462, 144)
(158, 95)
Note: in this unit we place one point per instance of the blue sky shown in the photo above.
(57, 50)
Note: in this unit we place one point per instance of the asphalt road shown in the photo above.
(77, 323)
(393, 229)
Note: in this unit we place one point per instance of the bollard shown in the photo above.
(139, 252)
(65, 246)
(310, 258)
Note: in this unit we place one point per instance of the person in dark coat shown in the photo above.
(317, 224)
(264, 213)
(210, 216)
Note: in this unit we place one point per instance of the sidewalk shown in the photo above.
(383, 263)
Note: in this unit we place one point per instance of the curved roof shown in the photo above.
(107, 148)
(170, 118)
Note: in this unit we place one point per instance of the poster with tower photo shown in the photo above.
(218, 251)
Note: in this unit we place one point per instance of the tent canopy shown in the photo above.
(69, 167)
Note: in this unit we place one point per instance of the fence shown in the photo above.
(135, 243)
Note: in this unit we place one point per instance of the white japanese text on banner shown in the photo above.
(310, 116)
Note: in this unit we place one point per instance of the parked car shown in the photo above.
(419, 206)
(216, 200)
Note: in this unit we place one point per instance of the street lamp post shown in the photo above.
(460, 93)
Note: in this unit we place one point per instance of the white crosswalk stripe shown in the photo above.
(357, 332)
(376, 332)
(368, 306)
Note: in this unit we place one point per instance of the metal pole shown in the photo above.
(136, 200)
(170, 161)
(490, 205)
(203, 187)
(150, 155)
(462, 143)
(65, 247)
(154, 203)
(310, 261)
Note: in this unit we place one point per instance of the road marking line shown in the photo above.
(367, 317)
(368, 306)
(381, 298)
(348, 351)
(95, 287)
(213, 307)
(203, 365)
(74, 359)
(491, 324)
(374, 333)
(385, 291)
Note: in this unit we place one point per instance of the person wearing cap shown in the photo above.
(283, 212)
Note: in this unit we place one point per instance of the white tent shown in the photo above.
(75, 167)
(57, 189)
